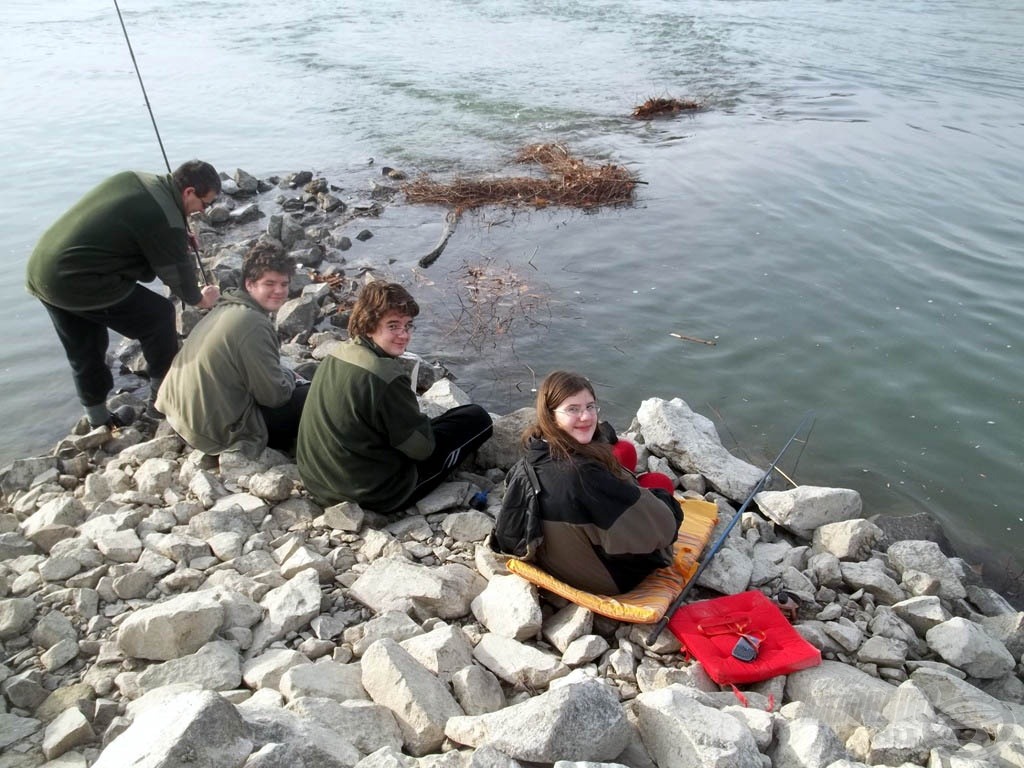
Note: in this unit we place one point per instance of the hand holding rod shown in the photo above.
(808, 417)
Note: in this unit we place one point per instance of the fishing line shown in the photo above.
(199, 262)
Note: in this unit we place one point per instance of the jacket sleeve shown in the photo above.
(629, 520)
(165, 247)
(408, 428)
(260, 361)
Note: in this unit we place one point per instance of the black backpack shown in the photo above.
(517, 531)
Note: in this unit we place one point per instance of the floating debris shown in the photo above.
(655, 107)
(571, 183)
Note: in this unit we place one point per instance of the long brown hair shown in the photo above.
(554, 390)
(376, 300)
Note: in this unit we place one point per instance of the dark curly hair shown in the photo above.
(202, 177)
(262, 258)
(375, 301)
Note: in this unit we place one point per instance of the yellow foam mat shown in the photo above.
(648, 602)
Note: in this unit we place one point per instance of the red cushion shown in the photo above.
(709, 630)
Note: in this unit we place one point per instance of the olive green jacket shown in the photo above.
(362, 430)
(131, 228)
(228, 366)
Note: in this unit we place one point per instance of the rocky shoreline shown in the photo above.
(160, 607)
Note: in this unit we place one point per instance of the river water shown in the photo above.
(844, 218)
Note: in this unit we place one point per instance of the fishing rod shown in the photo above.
(808, 417)
(152, 118)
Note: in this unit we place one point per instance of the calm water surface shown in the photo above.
(844, 219)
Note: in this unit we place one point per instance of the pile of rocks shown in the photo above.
(164, 608)
(160, 607)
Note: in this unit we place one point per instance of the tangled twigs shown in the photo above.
(654, 107)
(571, 182)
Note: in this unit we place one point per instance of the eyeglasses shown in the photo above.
(396, 328)
(576, 411)
(208, 205)
(746, 648)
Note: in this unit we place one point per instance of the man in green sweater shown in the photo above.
(87, 266)
(226, 389)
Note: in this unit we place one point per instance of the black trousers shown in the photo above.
(143, 315)
(457, 433)
(283, 421)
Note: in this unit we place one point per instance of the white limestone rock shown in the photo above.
(849, 539)
(14, 728)
(420, 702)
(574, 722)
(174, 628)
(16, 614)
(120, 546)
(509, 606)
(504, 448)
(863, 699)
(871, 577)
(965, 645)
(584, 649)
(288, 608)
(760, 723)
(518, 664)
(390, 624)
(806, 508)
(1007, 629)
(366, 725)
(346, 516)
(444, 650)
(477, 690)
(69, 730)
(155, 476)
(926, 556)
(200, 729)
(214, 667)
(679, 731)
(910, 741)
(922, 613)
(804, 742)
(728, 573)
(267, 669)
(471, 525)
(566, 625)
(271, 486)
(307, 741)
(325, 680)
(61, 510)
(691, 443)
(965, 705)
(444, 592)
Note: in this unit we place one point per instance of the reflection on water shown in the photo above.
(842, 219)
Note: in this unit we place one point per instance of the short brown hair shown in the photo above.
(375, 301)
(262, 258)
(202, 177)
(554, 390)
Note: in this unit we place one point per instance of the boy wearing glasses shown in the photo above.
(87, 267)
(362, 437)
(226, 389)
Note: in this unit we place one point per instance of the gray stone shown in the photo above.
(324, 680)
(69, 730)
(468, 526)
(14, 728)
(62, 510)
(862, 701)
(15, 615)
(680, 731)
(849, 539)
(394, 625)
(445, 496)
(367, 725)
(445, 592)
(444, 650)
(805, 742)
(728, 573)
(155, 476)
(288, 608)
(518, 664)
(574, 722)
(477, 690)
(60, 654)
(420, 702)
(509, 606)
(311, 743)
(965, 705)
(566, 625)
(921, 613)
(346, 516)
(806, 508)
(967, 646)
(297, 316)
(871, 577)
(584, 649)
(691, 443)
(268, 669)
(910, 741)
(504, 447)
(926, 556)
(214, 667)
(200, 729)
(177, 627)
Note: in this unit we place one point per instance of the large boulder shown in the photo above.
(691, 443)
(806, 508)
(444, 592)
(168, 630)
(861, 703)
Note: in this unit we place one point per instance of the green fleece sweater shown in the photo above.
(131, 228)
(362, 430)
(229, 364)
